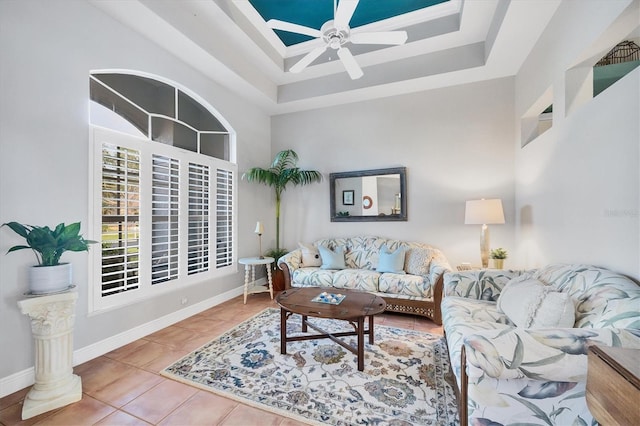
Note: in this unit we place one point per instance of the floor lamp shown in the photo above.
(484, 212)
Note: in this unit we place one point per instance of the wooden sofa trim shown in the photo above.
(463, 395)
(428, 309)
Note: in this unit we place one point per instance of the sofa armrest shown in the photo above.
(293, 260)
(437, 271)
(484, 284)
(289, 263)
(551, 354)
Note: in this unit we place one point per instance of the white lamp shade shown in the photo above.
(259, 228)
(484, 212)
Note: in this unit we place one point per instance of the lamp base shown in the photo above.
(484, 246)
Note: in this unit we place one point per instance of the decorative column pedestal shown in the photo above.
(52, 318)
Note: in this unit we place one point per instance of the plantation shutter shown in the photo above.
(165, 219)
(224, 218)
(162, 190)
(120, 219)
(198, 247)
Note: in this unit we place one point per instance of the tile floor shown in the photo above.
(124, 387)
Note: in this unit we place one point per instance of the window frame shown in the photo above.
(148, 148)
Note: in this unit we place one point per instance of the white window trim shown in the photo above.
(146, 290)
(98, 304)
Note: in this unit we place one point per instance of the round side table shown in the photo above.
(250, 264)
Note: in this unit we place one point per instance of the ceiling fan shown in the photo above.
(335, 34)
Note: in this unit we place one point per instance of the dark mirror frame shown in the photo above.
(402, 171)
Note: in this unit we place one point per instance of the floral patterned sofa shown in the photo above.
(533, 373)
(417, 289)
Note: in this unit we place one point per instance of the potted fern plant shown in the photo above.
(48, 245)
(282, 172)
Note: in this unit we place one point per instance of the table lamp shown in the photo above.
(259, 230)
(484, 212)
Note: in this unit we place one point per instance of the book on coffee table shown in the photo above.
(330, 298)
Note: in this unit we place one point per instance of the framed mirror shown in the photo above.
(369, 195)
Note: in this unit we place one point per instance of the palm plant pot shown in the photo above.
(49, 279)
(277, 280)
(497, 263)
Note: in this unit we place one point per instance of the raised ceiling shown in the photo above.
(313, 14)
(449, 42)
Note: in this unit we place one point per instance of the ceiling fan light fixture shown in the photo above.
(333, 36)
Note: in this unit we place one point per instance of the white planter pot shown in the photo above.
(49, 279)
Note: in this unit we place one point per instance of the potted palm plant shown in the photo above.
(48, 245)
(282, 172)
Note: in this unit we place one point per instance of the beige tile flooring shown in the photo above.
(124, 387)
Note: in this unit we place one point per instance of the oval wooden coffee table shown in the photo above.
(356, 306)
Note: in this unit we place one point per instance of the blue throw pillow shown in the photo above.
(391, 262)
(332, 259)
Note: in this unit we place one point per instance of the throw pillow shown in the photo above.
(532, 304)
(417, 261)
(310, 255)
(391, 262)
(332, 259)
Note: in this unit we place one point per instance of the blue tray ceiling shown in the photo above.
(314, 13)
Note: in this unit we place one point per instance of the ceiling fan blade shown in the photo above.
(345, 11)
(308, 58)
(276, 24)
(350, 63)
(382, 37)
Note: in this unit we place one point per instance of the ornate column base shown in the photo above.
(52, 319)
(40, 401)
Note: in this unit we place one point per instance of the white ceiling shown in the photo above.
(458, 42)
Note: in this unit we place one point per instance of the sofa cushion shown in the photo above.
(310, 255)
(312, 277)
(332, 259)
(357, 279)
(363, 252)
(392, 262)
(463, 310)
(530, 303)
(417, 261)
(408, 285)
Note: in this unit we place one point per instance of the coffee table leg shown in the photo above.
(304, 323)
(283, 331)
(360, 355)
(371, 329)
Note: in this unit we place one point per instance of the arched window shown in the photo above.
(163, 188)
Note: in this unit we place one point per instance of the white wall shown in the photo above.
(578, 184)
(47, 50)
(456, 143)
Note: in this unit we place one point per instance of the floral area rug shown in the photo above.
(406, 379)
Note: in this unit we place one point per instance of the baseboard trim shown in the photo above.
(25, 378)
